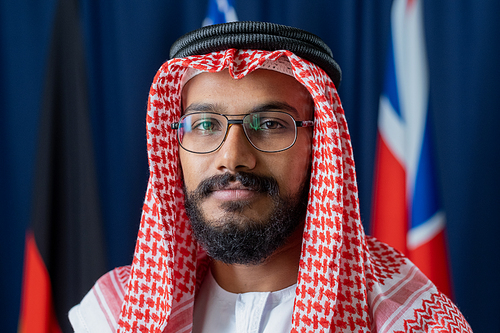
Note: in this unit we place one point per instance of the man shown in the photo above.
(251, 219)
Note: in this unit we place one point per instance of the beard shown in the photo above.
(237, 239)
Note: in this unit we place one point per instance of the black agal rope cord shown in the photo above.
(259, 36)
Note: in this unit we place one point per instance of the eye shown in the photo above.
(207, 125)
(269, 124)
(258, 123)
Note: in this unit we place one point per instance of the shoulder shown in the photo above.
(403, 299)
(100, 308)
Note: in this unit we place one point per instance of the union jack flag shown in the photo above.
(406, 212)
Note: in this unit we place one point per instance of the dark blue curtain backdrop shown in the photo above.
(127, 41)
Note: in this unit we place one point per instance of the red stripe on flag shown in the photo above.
(437, 269)
(389, 216)
(37, 310)
(409, 4)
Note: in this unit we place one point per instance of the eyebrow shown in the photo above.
(217, 108)
(276, 106)
(203, 107)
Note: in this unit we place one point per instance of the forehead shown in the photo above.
(224, 94)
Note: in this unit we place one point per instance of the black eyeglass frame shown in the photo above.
(230, 122)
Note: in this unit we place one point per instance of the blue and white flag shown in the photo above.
(220, 11)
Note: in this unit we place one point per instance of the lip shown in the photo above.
(233, 192)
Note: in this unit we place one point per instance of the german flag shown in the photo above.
(64, 253)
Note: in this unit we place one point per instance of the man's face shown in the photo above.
(235, 202)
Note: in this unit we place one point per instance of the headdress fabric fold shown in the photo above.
(346, 281)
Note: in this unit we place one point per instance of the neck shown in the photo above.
(277, 272)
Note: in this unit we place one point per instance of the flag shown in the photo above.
(64, 253)
(406, 210)
(220, 11)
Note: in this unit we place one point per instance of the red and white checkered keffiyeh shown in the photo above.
(347, 281)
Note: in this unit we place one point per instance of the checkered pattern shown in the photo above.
(346, 282)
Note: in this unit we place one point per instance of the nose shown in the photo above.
(236, 153)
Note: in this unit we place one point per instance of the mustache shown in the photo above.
(253, 182)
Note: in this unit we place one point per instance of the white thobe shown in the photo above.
(217, 310)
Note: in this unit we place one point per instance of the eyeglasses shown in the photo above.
(268, 131)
